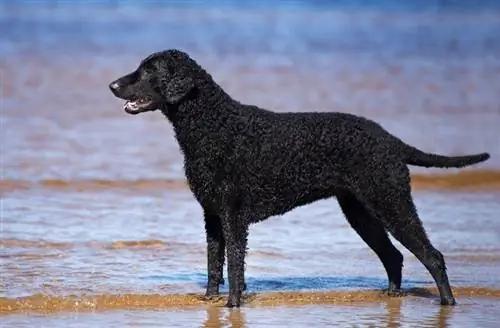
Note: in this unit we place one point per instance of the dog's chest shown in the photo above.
(205, 180)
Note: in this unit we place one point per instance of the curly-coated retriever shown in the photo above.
(245, 164)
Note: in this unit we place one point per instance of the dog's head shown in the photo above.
(162, 79)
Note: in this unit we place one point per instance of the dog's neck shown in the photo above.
(199, 120)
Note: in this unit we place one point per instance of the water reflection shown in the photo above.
(392, 314)
(395, 316)
(221, 317)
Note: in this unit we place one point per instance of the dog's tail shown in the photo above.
(420, 158)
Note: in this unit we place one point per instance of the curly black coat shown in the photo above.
(245, 164)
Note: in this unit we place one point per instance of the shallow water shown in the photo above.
(99, 229)
(396, 313)
(75, 243)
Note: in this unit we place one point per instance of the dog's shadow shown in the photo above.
(305, 283)
(262, 284)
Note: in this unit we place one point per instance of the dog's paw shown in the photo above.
(394, 292)
(212, 298)
(231, 305)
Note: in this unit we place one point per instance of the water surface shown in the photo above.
(99, 229)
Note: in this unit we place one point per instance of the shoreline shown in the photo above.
(480, 180)
(105, 302)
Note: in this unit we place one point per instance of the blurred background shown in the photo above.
(94, 200)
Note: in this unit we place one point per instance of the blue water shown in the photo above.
(460, 29)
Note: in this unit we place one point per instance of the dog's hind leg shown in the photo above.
(391, 202)
(215, 253)
(375, 236)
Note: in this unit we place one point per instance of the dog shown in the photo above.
(244, 164)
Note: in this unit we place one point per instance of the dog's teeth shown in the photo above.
(130, 104)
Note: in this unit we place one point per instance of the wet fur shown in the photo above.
(245, 164)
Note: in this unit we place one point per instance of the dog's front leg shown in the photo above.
(235, 233)
(215, 253)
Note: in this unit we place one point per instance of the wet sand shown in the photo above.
(98, 227)
(48, 304)
(321, 309)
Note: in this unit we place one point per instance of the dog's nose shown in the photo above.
(114, 86)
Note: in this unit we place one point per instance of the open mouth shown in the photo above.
(137, 106)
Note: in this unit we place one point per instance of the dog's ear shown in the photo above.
(177, 88)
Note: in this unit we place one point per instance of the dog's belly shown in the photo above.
(260, 208)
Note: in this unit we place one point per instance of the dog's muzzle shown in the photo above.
(138, 106)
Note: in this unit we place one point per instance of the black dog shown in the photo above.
(244, 164)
